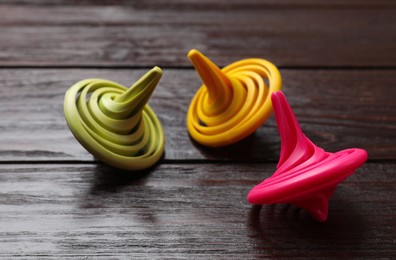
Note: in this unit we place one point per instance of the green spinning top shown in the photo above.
(114, 123)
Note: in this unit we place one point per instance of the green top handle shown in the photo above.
(114, 123)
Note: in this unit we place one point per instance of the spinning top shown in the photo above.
(306, 175)
(114, 123)
(233, 102)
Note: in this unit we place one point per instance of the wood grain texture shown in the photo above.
(161, 34)
(207, 3)
(337, 109)
(186, 211)
(338, 63)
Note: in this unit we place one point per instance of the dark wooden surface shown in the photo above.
(338, 63)
(162, 32)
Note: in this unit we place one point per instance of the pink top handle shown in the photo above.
(306, 175)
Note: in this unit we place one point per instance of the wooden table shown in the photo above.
(338, 63)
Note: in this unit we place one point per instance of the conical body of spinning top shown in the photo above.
(306, 175)
(233, 102)
(114, 123)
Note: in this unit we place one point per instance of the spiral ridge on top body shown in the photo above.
(114, 123)
(233, 102)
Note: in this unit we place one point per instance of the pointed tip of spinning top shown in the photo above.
(151, 78)
(292, 137)
(193, 53)
(277, 95)
(284, 115)
(146, 84)
(156, 71)
(202, 64)
(279, 102)
(211, 75)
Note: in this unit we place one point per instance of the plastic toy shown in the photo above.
(306, 175)
(233, 102)
(114, 123)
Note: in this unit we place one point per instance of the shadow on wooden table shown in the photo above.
(281, 226)
(110, 179)
(255, 147)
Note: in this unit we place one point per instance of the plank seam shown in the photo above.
(167, 162)
(126, 67)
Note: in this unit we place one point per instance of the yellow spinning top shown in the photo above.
(233, 102)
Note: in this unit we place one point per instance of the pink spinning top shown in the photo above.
(306, 175)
